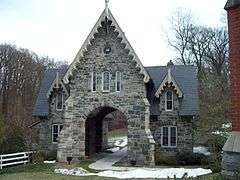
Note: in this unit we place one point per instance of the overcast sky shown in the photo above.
(57, 28)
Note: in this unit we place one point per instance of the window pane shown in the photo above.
(55, 129)
(169, 95)
(55, 136)
(94, 81)
(165, 136)
(61, 126)
(118, 81)
(59, 101)
(173, 136)
(169, 105)
(106, 79)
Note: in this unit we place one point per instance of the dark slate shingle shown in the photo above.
(41, 107)
(186, 78)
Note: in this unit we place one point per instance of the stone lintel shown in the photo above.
(233, 143)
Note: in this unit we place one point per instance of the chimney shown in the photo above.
(231, 155)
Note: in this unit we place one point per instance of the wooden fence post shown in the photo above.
(0, 161)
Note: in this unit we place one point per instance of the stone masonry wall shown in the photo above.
(131, 101)
(172, 118)
(55, 117)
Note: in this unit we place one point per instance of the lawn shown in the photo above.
(45, 172)
(39, 172)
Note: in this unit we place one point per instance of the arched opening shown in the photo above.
(102, 127)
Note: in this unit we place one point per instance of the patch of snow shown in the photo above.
(113, 150)
(201, 150)
(157, 173)
(49, 162)
(121, 142)
(139, 173)
(74, 172)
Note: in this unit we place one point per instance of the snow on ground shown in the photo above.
(201, 150)
(122, 142)
(139, 173)
(115, 149)
(155, 173)
(49, 162)
(74, 172)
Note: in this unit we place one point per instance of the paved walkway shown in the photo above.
(107, 162)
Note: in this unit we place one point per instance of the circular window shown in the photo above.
(107, 50)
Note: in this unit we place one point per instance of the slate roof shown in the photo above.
(232, 4)
(186, 78)
(41, 107)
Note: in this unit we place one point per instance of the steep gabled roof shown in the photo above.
(41, 107)
(169, 80)
(106, 14)
(186, 78)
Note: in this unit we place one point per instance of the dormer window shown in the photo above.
(118, 81)
(106, 82)
(59, 102)
(94, 82)
(169, 101)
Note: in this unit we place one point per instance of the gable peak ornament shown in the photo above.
(106, 7)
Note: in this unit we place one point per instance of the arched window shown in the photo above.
(118, 81)
(59, 102)
(169, 101)
(106, 81)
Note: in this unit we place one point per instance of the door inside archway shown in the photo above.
(101, 125)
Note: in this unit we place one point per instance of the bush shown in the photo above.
(50, 155)
(215, 167)
(13, 141)
(165, 159)
(38, 157)
(188, 158)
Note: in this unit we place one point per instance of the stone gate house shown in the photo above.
(159, 103)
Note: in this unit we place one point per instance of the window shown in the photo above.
(94, 82)
(59, 102)
(56, 129)
(106, 82)
(169, 136)
(169, 101)
(118, 81)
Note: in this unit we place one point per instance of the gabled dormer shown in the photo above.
(57, 94)
(169, 92)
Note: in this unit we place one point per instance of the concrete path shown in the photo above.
(107, 162)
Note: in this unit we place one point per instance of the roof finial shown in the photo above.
(106, 7)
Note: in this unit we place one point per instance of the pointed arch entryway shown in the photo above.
(95, 129)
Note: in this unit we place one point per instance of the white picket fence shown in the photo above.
(14, 159)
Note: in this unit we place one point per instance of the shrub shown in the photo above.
(165, 159)
(38, 157)
(188, 158)
(215, 167)
(13, 141)
(50, 155)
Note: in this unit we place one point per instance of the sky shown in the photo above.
(58, 28)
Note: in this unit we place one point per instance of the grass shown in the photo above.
(41, 172)
(117, 133)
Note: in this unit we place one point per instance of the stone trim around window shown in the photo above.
(56, 129)
(169, 143)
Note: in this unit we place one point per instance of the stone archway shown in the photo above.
(94, 130)
(140, 141)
